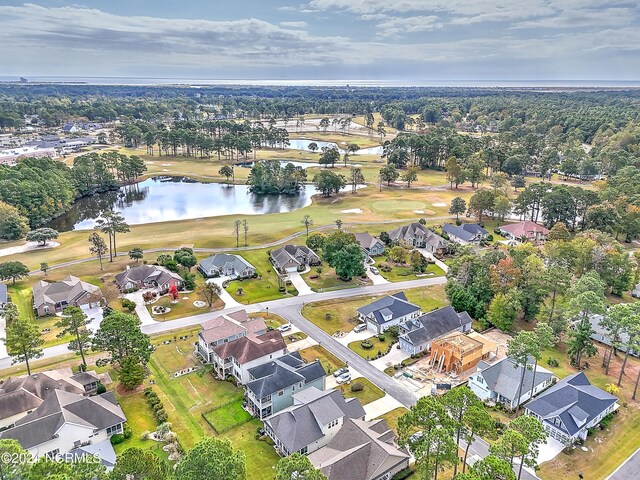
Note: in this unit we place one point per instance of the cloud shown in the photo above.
(301, 24)
(393, 27)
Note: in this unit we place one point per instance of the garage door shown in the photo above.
(291, 269)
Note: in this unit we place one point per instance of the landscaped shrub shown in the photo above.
(384, 267)
(128, 304)
(117, 438)
(490, 238)
(101, 389)
(161, 416)
(127, 432)
(357, 387)
(402, 474)
(366, 344)
(381, 337)
(552, 362)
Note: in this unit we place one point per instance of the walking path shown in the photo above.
(27, 247)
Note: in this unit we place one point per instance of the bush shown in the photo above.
(402, 474)
(366, 344)
(101, 389)
(490, 238)
(161, 416)
(381, 337)
(357, 387)
(552, 362)
(128, 304)
(127, 431)
(117, 438)
(384, 267)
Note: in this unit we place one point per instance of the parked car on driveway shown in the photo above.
(285, 328)
(374, 270)
(360, 328)
(344, 378)
(340, 371)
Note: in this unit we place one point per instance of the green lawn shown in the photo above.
(328, 280)
(229, 416)
(369, 394)
(329, 361)
(370, 353)
(183, 308)
(393, 416)
(343, 311)
(259, 289)
(401, 273)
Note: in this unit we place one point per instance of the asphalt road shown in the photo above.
(288, 306)
(629, 470)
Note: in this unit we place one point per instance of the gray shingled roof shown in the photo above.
(288, 253)
(466, 231)
(504, 376)
(146, 273)
(412, 230)
(572, 398)
(221, 260)
(366, 240)
(3, 293)
(397, 305)
(284, 372)
(434, 324)
(360, 450)
(300, 425)
(68, 290)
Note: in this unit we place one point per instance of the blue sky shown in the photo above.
(409, 40)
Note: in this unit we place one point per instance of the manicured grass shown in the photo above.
(329, 361)
(401, 273)
(226, 417)
(343, 311)
(272, 320)
(370, 393)
(259, 289)
(393, 416)
(183, 308)
(178, 354)
(261, 456)
(327, 279)
(370, 353)
(606, 449)
(294, 337)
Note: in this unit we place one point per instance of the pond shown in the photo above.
(166, 199)
(304, 165)
(303, 144)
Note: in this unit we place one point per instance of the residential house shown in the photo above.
(148, 276)
(571, 407)
(65, 422)
(293, 258)
(419, 236)
(361, 450)
(500, 382)
(387, 312)
(312, 421)
(524, 230)
(465, 233)
(70, 128)
(371, 246)
(600, 334)
(224, 264)
(52, 297)
(19, 396)
(459, 352)
(237, 357)
(271, 385)
(4, 295)
(416, 334)
(226, 328)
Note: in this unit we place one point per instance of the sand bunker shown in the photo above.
(352, 210)
(418, 211)
(439, 204)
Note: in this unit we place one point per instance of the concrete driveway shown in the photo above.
(95, 314)
(549, 450)
(228, 300)
(394, 356)
(300, 284)
(429, 256)
(376, 279)
(353, 336)
(380, 407)
(141, 309)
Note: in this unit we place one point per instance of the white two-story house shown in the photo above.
(387, 312)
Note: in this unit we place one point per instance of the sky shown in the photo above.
(408, 40)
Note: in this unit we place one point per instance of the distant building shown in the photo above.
(465, 233)
(525, 230)
(419, 236)
(312, 421)
(271, 385)
(387, 312)
(223, 264)
(459, 352)
(293, 258)
(500, 382)
(416, 334)
(4, 296)
(227, 328)
(361, 450)
(571, 407)
(601, 335)
(148, 276)
(52, 297)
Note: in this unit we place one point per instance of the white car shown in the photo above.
(374, 270)
(344, 378)
(360, 327)
(341, 371)
(285, 328)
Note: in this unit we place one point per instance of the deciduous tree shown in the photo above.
(212, 458)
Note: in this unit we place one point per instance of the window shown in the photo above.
(114, 429)
(304, 451)
(333, 424)
(53, 453)
(280, 393)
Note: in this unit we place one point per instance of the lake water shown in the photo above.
(303, 144)
(304, 165)
(166, 199)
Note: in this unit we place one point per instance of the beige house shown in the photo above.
(52, 297)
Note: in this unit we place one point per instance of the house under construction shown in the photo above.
(459, 352)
